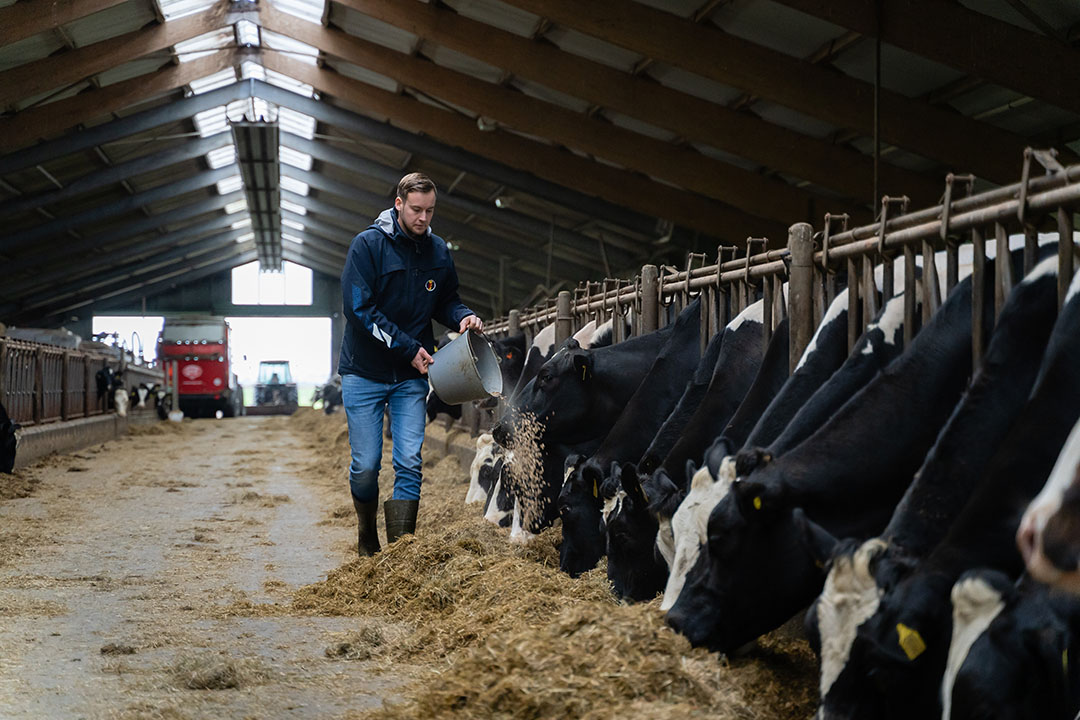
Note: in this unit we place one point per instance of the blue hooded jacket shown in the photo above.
(392, 286)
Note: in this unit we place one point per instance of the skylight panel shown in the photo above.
(297, 123)
(203, 45)
(289, 223)
(246, 237)
(287, 236)
(297, 50)
(311, 10)
(293, 207)
(295, 186)
(229, 184)
(211, 122)
(251, 69)
(284, 81)
(246, 222)
(221, 157)
(173, 9)
(294, 158)
(213, 82)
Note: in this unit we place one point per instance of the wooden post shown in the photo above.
(800, 290)
(650, 299)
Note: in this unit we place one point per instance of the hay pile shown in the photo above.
(503, 633)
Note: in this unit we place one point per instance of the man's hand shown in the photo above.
(421, 361)
(471, 322)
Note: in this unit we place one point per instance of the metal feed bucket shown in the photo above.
(465, 369)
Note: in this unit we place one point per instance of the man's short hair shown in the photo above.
(415, 182)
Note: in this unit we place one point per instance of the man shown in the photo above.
(397, 278)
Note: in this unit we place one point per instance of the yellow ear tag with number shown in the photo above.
(911, 641)
(757, 503)
(584, 371)
(594, 493)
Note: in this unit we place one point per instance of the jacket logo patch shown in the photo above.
(429, 285)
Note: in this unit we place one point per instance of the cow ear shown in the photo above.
(582, 366)
(750, 459)
(699, 481)
(757, 501)
(632, 486)
(817, 540)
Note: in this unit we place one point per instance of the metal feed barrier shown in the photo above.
(812, 262)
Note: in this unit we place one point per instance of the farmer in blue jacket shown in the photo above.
(398, 276)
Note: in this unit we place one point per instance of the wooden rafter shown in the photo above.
(28, 18)
(831, 166)
(765, 198)
(624, 188)
(64, 69)
(959, 143)
(994, 50)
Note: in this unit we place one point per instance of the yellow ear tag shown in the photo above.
(594, 493)
(757, 503)
(911, 641)
(1065, 661)
(584, 370)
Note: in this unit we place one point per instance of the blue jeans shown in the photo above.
(364, 401)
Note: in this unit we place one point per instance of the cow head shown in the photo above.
(755, 571)
(500, 502)
(635, 571)
(1012, 651)
(9, 442)
(558, 397)
(898, 655)
(582, 525)
(1052, 551)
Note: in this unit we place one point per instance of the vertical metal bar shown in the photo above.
(869, 291)
(909, 294)
(1065, 253)
(1003, 279)
(86, 386)
(800, 307)
(39, 385)
(1031, 247)
(853, 323)
(952, 266)
(888, 278)
(978, 271)
(931, 290)
(563, 318)
(767, 311)
(513, 323)
(64, 359)
(650, 310)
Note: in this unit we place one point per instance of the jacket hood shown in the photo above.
(387, 223)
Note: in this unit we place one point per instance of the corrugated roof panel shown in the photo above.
(625, 121)
(682, 8)
(296, 123)
(221, 157)
(252, 69)
(498, 15)
(109, 23)
(792, 119)
(29, 49)
(368, 28)
(173, 9)
(213, 82)
(295, 186)
(589, 47)
(289, 83)
(135, 68)
(447, 58)
(555, 97)
(310, 10)
(302, 52)
(692, 84)
(775, 26)
(294, 158)
(901, 71)
(364, 75)
(51, 96)
(198, 47)
(293, 207)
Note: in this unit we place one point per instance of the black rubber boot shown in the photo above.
(400, 518)
(367, 543)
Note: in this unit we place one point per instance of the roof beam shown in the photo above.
(831, 166)
(83, 264)
(969, 41)
(961, 144)
(160, 284)
(152, 273)
(57, 251)
(183, 151)
(13, 242)
(769, 198)
(122, 128)
(28, 18)
(43, 121)
(615, 186)
(69, 67)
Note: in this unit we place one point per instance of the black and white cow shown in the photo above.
(904, 643)
(9, 441)
(878, 345)
(756, 573)
(484, 458)
(140, 395)
(861, 573)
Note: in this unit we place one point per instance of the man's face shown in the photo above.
(414, 213)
